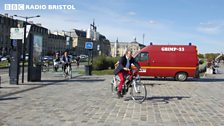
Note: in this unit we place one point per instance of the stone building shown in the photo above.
(73, 40)
(119, 48)
(101, 46)
(55, 43)
(6, 23)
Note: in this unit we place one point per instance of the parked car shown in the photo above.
(4, 59)
(26, 57)
(82, 56)
(50, 58)
(1, 57)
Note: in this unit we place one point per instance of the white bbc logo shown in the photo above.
(14, 7)
(7, 6)
(21, 6)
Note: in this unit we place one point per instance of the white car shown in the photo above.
(83, 56)
(3, 59)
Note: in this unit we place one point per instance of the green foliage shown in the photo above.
(102, 62)
(211, 56)
(112, 61)
(4, 64)
(103, 72)
(99, 72)
(201, 56)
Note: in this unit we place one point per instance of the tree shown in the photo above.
(201, 56)
(211, 56)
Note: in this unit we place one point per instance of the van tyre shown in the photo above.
(181, 76)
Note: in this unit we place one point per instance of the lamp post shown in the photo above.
(93, 26)
(24, 39)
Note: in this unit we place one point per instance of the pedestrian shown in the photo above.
(77, 61)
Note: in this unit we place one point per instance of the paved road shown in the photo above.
(85, 100)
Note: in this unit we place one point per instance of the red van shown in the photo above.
(178, 61)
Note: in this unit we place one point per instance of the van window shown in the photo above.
(142, 56)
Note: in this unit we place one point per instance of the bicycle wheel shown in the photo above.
(114, 83)
(138, 92)
(44, 68)
(65, 72)
(69, 72)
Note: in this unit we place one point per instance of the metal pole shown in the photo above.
(88, 56)
(0, 81)
(92, 57)
(24, 50)
(70, 40)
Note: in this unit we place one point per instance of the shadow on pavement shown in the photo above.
(45, 82)
(86, 79)
(10, 98)
(152, 84)
(8, 87)
(53, 82)
(40, 85)
(165, 99)
(208, 80)
(188, 80)
(158, 79)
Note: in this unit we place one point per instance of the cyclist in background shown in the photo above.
(66, 60)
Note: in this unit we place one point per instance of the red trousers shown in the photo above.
(122, 75)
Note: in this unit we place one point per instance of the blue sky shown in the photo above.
(200, 22)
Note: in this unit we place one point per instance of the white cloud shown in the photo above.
(211, 27)
(132, 13)
(152, 22)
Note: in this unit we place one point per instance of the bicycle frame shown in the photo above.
(68, 70)
(132, 81)
(138, 90)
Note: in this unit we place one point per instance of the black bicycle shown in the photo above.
(68, 70)
(45, 66)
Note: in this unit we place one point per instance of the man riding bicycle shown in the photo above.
(124, 68)
(66, 61)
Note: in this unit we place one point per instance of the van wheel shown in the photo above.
(182, 76)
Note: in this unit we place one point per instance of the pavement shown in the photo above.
(87, 101)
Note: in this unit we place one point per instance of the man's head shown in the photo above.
(66, 53)
(128, 54)
(57, 54)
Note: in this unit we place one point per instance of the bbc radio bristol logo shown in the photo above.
(22, 7)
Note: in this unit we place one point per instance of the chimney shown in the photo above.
(6, 14)
(38, 24)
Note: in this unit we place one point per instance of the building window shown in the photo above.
(2, 20)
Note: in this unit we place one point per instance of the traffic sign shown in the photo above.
(89, 45)
(16, 33)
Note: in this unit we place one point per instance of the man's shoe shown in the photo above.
(119, 94)
(129, 84)
(127, 89)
